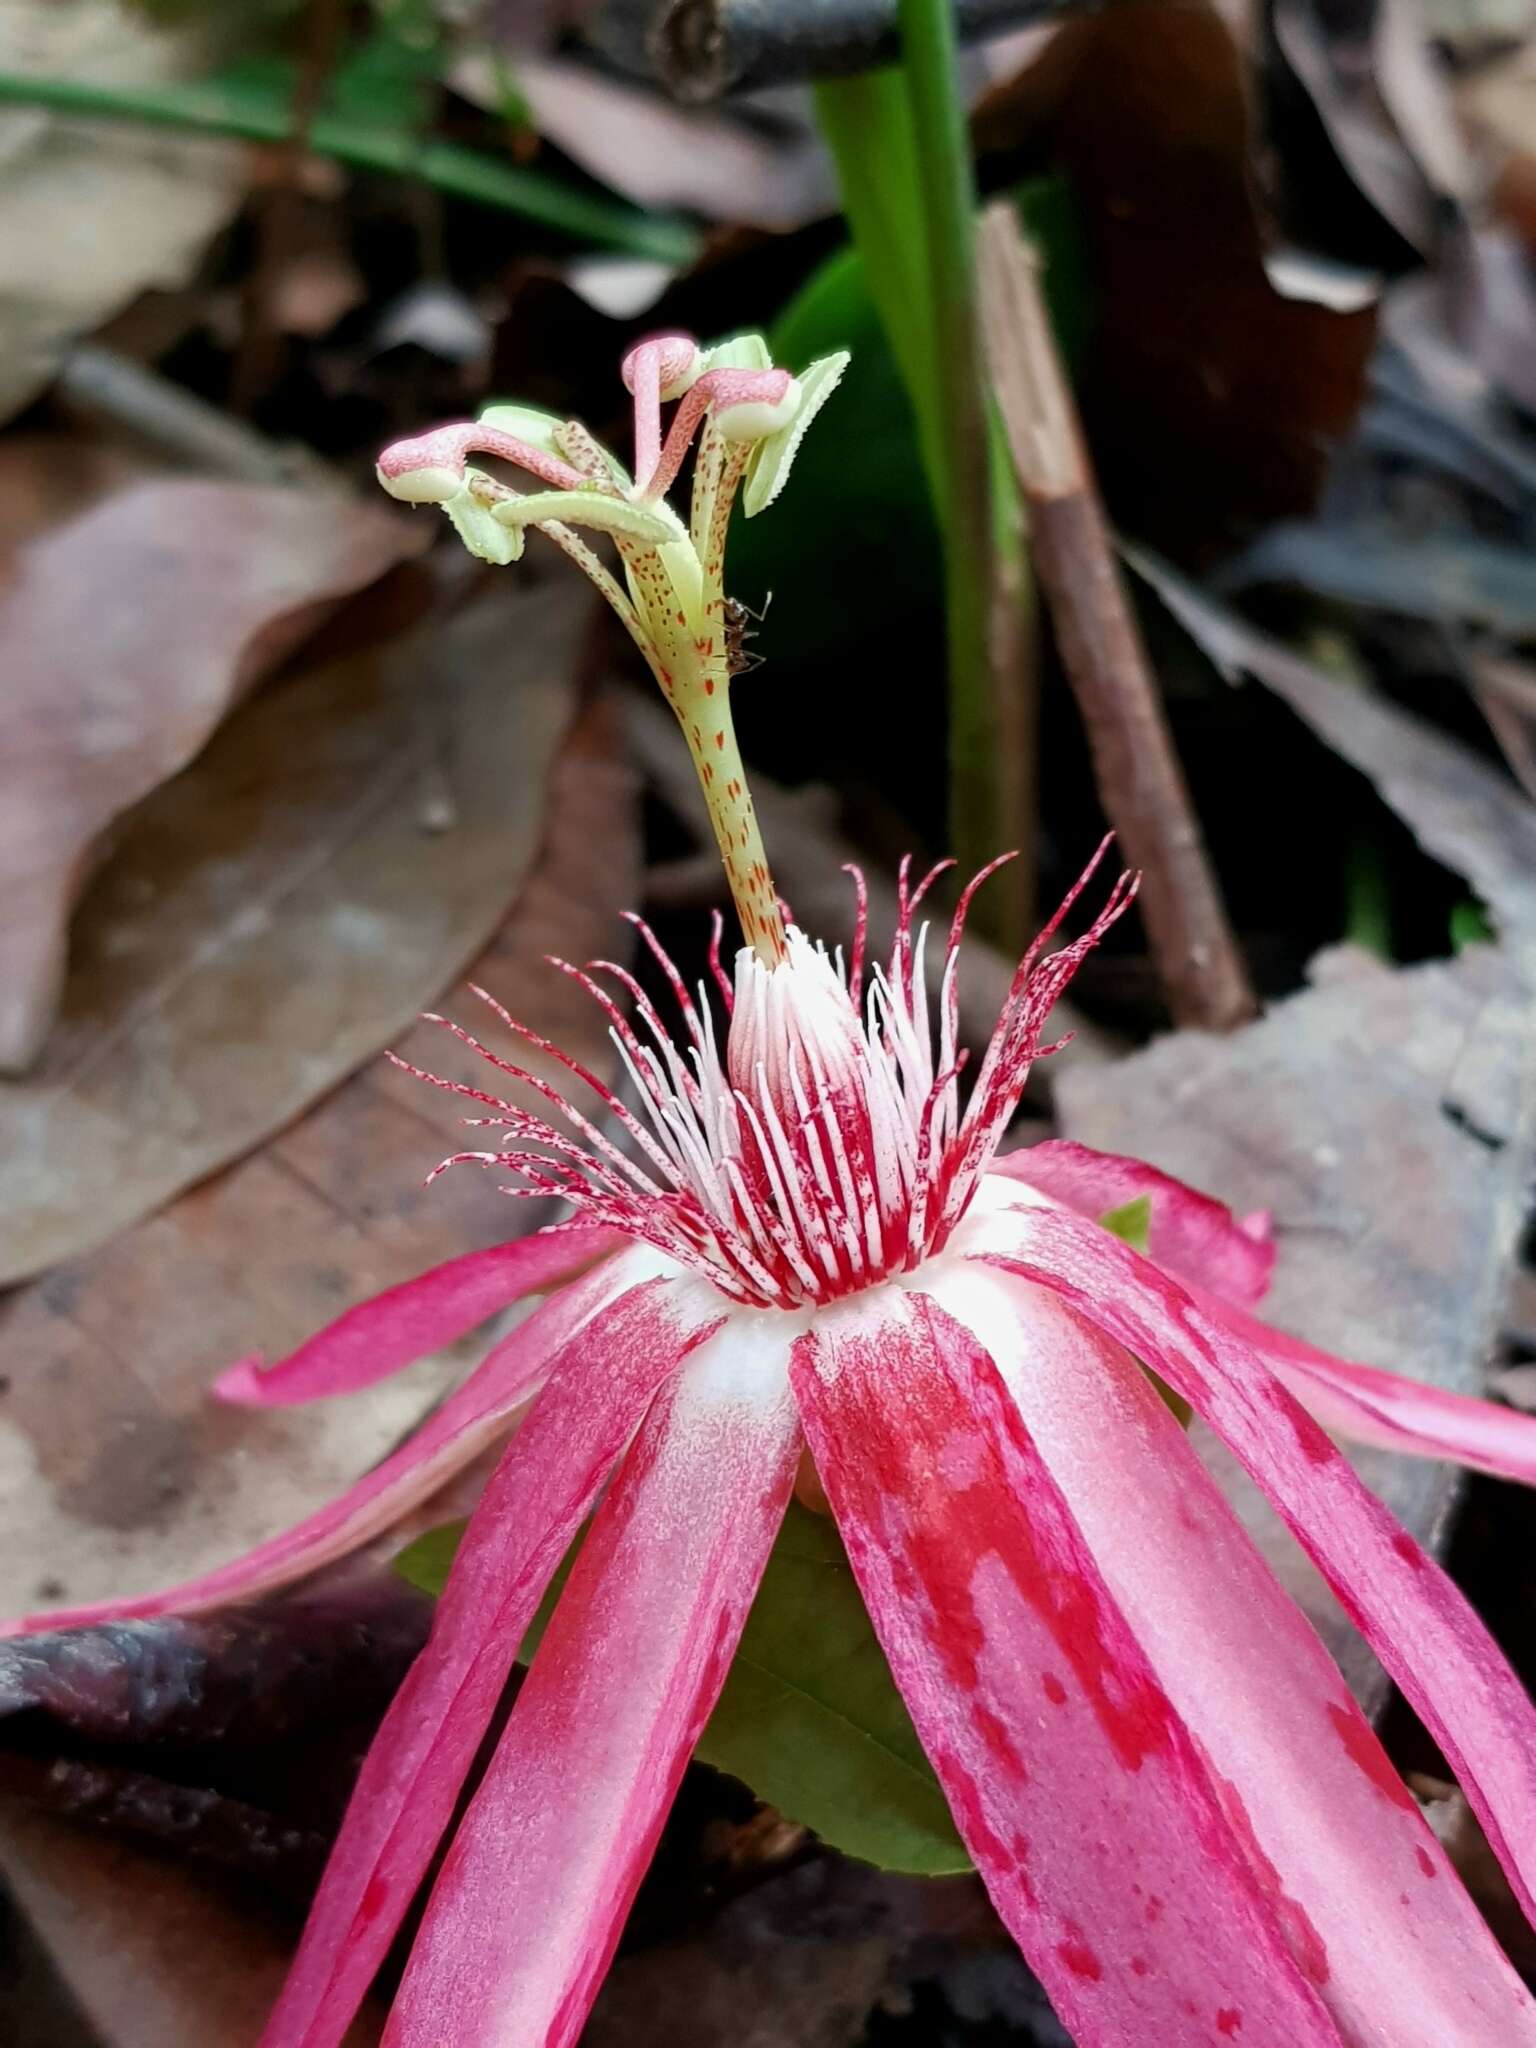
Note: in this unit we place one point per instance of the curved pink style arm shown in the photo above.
(1414, 1618)
(1076, 1786)
(393, 1329)
(1370, 1903)
(468, 1420)
(441, 453)
(650, 371)
(716, 391)
(599, 1388)
(532, 1899)
(1197, 1238)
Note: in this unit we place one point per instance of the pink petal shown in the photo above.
(1369, 1902)
(392, 1330)
(1385, 1408)
(1410, 1613)
(1075, 1785)
(533, 1896)
(468, 1420)
(598, 1390)
(1196, 1238)
(1222, 1265)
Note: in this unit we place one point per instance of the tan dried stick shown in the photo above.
(1140, 782)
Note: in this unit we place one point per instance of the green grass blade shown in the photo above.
(252, 103)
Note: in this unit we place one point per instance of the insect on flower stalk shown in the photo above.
(807, 1237)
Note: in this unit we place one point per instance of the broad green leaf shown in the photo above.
(427, 1561)
(1131, 1223)
(390, 76)
(811, 1719)
(861, 505)
(809, 1716)
(1469, 925)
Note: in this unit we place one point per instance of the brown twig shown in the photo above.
(1140, 782)
(259, 354)
(103, 391)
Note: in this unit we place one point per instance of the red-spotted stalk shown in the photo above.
(744, 420)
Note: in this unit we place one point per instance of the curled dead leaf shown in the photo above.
(90, 216)
(126, 636)
(281, 910)
(118, 1471)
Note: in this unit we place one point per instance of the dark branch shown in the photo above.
(703, 49)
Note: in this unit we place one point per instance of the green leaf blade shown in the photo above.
(811, 1720)
(809, 1717)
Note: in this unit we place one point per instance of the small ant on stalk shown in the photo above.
(740, 659)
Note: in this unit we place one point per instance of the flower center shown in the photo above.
(830, 1148)
(827, 1151)
(747, 418)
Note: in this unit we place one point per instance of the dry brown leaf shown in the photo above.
(711, 160)
(1460, 809)
(90, 213)
(125, 636)
(48, 477)
(280, 910)
(117, 1471)
(1506, 693)
(1386, 107)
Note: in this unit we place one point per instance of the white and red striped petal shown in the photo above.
(599, 1388)
(1387, 1408)
(1368, 1900)
(1415, 1619)
(1198, 1239)
(470, 1419)
(1079, 1792)
(532, 1898)
(390, 1331)
(1224, 1262)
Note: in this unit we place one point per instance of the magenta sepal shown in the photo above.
(1077, 1788)
(598, 1390)
(470, 1419)
(1194, 1236)
(391, 1330)
(1372, 1406)
(1415, 1619)
(532, 1898)
(1367, 1899)
(1225, 1263)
